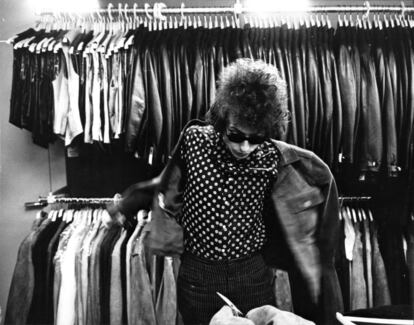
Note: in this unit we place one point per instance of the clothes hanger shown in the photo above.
(95, 213)
(125, 24)
(397, 21)
(392, 22)
(364, 215)
(158, 17)
(103, 32)
(352, 214)
(104, 42)
(77, 217)
(229, 22)
(345, 214)
(134, 18)
(260, 22)
(328, 20)
(323, 22)
(199, 23)
(171, 22)
(340, 22)
(56, 215)
(360, 215)
(371, 218)
(233, 22)
(210, 22)
(380, 23)
(268, 22)
(318, 22)
(222, 22)
(148, 18)
(69, 215)
(358, 22)
(182, 17)
(50, 214)
(341, 213)
(306, 21)
(312, 21)
(402, 16)
(346, 22)
(386, 24)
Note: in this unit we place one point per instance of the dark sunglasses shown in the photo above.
(240, 137)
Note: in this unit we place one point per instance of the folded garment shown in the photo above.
(269, 315)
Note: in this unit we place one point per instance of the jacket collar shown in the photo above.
(287, 154)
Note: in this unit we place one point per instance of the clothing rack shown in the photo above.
(160, 8)
(354, 198)
(56, 199)
(53, 199)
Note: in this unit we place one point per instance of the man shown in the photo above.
(233, 200)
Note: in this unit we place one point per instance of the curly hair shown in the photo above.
(254, 93)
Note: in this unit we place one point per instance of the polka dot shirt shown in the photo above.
(223, 196)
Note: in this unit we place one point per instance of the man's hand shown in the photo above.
(225, 317)
(269, 315)
(114, 216)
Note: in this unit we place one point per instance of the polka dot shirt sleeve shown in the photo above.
(185, 144)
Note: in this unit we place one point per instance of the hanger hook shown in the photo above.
(110, 6)
(160, 6)
(126, 12)
(403, 9)
(99, 15)
(238, 8)
(367, 5)
(120, 11)
(135, 10)
(146, 6)
(182, 11)
(155, 10)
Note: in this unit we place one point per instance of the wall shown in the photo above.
(24, 168)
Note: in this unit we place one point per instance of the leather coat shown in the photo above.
(301, 219)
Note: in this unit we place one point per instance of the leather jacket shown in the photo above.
(301, 220)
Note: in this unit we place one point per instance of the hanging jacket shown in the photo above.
(303, 210)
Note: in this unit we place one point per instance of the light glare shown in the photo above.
(281, 6)
(74, 6)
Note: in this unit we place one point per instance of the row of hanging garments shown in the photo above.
(76, 268)
(363, 265)
(350, 90)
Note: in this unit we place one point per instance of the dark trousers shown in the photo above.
(246, 282)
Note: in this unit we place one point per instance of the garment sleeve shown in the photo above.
(183, 146)
(170, 183)
(136, 197)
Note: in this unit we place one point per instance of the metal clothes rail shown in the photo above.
(354, 198)
(160, 8)
(53, 199)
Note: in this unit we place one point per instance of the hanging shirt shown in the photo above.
(223, 196)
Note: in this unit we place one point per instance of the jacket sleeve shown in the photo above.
(163, 234)
(169, 183)
(136, 197)
(328, 235)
